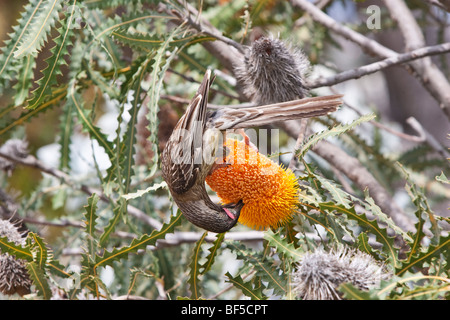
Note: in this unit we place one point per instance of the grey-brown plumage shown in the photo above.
(189, 155)
(273, 71)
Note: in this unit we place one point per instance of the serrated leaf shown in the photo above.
(24, 80)
(337, 130)
(213, 252)
(246, 287)
(442, 178)
(372, 226)
(117, 214)
(364, 246)
(15, 250)
(7, 60)
(83, 115)
(282, 246)
(127, 156)
(40, 26)
(140, 193)
(41, 254)
(54, 62)
(146, 240)
(39, 278)
(443, 247)
(351, 292)
(263, 268)
(160, 66)
(150, 41)
(28, 115)
(194, 282)
(339, 195)
(90, 217)
(66, 130)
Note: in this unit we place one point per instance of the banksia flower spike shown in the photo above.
(14, 276)
(268, 191)
(320, 273)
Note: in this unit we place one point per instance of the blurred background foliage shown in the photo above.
(99, 77)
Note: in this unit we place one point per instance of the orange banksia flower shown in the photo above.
(269, 192)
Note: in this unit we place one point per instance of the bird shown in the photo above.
(189, 155)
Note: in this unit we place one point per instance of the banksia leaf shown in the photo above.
(213, 251)
(55, 61)
(263, 268)
(90, 217)
(40, 26)
(194, 281)
(417, 261)
(40, 280)
(371, 226)
(247, 288)
(15, 250)
(41, 254)
(335, 131)
(146, 240)
(7, 60)
(282, 246)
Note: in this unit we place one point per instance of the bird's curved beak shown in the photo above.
(237, 208)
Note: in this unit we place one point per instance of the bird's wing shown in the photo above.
(184, 149)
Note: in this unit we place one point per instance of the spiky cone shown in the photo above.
(268, 191)
(189, 155)
(14, 276)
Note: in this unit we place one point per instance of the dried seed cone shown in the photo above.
(269, 192)
(320, 273)
(14, 276)
(273, 71)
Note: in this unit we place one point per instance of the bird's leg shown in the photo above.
(223, 163)
(247, 141)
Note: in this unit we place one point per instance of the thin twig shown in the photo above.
(428, 74)
(31, 161)
(380, 65)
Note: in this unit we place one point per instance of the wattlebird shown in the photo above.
(190, 153)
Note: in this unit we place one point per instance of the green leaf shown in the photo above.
(150, 41)
(442, 178)
(129, 139)
(8, 63)
(282, 246)
(372, 226)
(337, 130)
(83, 116)
(66, 130)
(146, 240)
(263, 268)
(41, 254)
(15, 250)
(39, 278)
(160, 66)
(195, 269)
(24, 80)
(41, 23)
(140, 193)
(336, 192)
(55, 61)
(247, 288)
(443, 247)
(90, 217)
(213, 250)
(117, 214)
(351, 292)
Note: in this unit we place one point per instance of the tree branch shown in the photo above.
(428, 74)
(380, 65)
